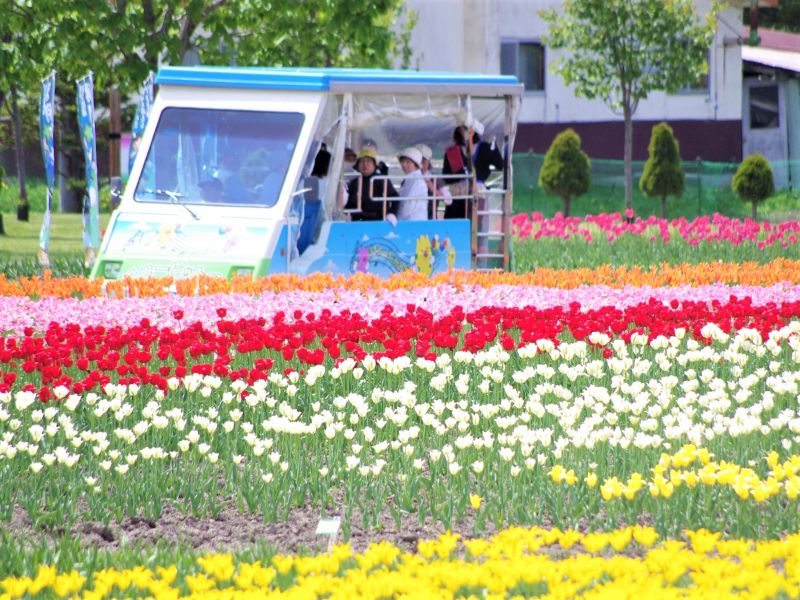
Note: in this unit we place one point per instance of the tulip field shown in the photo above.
(601, 430)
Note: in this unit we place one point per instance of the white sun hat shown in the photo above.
(413, 154)
(426, 151)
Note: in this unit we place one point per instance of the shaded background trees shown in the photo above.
(121, 41)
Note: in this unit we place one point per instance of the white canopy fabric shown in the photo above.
(778, 59)
(396, 122)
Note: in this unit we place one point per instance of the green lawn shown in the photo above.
(19, 244)
(22, 238)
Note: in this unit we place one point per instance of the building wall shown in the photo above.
(465, 35)
(793, 109)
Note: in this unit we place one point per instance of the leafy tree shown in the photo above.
(313, 33)
(565, 170)
(663, 174)
(120, 41)
(22, 47)
(753, 181)
(621, 50)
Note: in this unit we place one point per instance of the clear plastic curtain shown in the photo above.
(394, 122)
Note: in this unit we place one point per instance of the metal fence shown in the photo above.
(707, 189)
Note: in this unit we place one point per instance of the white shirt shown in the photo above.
(413, 187)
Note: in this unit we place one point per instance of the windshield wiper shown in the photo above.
(173, 198)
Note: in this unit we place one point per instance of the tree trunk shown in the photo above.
(567, 201)
(663, 206)
(628, 113)
(2, 99)
(755, 211)
(22, 215)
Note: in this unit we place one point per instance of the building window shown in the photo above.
(764, 113)
(701, 85)
(526, 61)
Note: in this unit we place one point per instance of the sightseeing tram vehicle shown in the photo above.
(244, 172)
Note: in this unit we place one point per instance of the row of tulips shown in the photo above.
(433, 418)
(780, 270)
(515, 563)
(24, 314)
(82, 358)
(704, 229)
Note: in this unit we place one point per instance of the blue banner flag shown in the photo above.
(140, 118)
(91, 204)
(46, 124)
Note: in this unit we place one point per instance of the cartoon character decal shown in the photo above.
(432, 255)
(224, 241)
(166, 235)
(424, 259)
(363, 259)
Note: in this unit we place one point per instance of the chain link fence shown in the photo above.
(707, 190)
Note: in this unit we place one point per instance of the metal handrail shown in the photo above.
(470, 195)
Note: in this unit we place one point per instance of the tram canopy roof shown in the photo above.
(341, 80)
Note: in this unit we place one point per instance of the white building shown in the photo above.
(505, 36)
(771, 104)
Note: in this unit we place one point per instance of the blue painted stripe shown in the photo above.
(241, 78)
(316, 79)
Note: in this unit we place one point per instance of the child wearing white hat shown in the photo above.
(413, 194)
(437, 187)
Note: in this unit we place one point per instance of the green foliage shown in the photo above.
(637, 251)
(312, 33)
(753, 181)
(23, 46)
(123, 40)
(565, 171)
(785, 16)
(622, 50)
(22, 556)
(663, 174)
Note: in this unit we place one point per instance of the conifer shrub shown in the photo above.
(753, 181)
(663, 174)
(565, 171)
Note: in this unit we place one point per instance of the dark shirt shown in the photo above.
(371, 210)
(234, 190)
(458, 208)
(487, 155)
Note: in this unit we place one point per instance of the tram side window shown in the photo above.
(211, 156)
